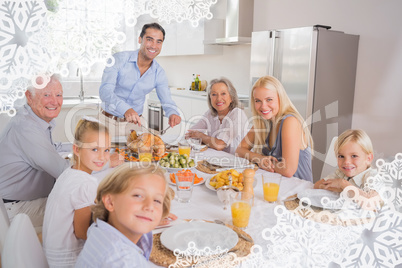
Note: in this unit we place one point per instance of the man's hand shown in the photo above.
(132, 116)
(174, 120)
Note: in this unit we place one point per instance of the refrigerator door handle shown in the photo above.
(272, 36)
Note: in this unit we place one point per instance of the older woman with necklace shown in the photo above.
(224, 125)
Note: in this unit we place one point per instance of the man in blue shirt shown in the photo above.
(131, 76)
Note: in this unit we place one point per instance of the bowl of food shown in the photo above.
(198, 179)
(227, 177)
(174, 162)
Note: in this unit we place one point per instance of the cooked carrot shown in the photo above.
(172, 178)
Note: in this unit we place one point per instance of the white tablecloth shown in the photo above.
(283, 239)
(205, 205)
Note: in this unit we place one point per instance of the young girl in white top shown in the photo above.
(130, 203)
(354, 152)
(68, 209)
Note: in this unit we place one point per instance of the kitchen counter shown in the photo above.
(195, 94)
(71, 101)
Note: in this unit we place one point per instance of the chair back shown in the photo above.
(4, 223)
(22, 247)
(331, 162)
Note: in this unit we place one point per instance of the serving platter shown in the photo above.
(213, 188)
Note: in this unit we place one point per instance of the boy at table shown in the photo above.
(354, 152)
(130, 203)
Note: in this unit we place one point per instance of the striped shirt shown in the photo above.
(107, 247)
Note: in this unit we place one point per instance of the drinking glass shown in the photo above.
(195, 144)
(241, 204)
(224, 193)
(145, 154)
(184, 148)
(184, 186)
(271, 184)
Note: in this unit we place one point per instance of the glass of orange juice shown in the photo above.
(145, 154)
(240, 205)
(184, 147)
(271, 184)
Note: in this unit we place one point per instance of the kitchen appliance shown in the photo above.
(238, 24)
(155, 115)
(317, 67)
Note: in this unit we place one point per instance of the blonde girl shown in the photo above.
(68, 209)
(130, 203)
(279, 140)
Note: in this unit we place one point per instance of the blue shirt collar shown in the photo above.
(106, 226)
(134, 58)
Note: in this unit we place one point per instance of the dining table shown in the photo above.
(281, 237)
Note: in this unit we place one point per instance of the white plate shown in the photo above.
(315, 196)
(213, 188)
(167, 175)
(203, 234)
(230, 162)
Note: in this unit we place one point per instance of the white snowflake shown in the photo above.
(83, 32)
(193, 256)
(298, 242)
(35, 41)
(380, 245)
(388, 182)
(191, 10)
(367, 239)
(20, 55)
(13, 93)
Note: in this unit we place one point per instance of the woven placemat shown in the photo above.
(201, 167)
(321, 215)
(164, 257)
(204, 168)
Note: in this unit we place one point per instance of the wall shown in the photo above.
(378, 83)
(378, 92)
(234, 64)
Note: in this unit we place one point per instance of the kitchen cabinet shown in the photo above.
(191, 108)
(192, 105)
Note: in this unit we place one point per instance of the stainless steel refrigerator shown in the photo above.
(317, 67)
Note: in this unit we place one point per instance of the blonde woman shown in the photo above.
(279, 140)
